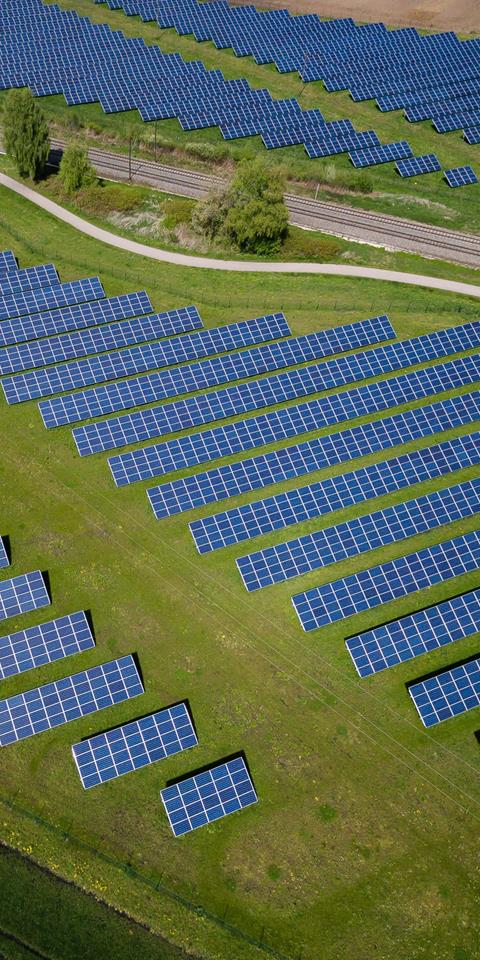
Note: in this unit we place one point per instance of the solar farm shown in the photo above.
(239, 539)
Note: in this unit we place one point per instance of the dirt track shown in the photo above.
(463, 16)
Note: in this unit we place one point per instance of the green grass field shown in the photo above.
(364, 840)
(427, 198)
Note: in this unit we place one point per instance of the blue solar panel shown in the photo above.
(208, 796)
(133, 746)
(158, 386)
(334, 544)
(419, 633)
(46, 643)
(151, 356)
(23, 593)
(76, 317)
(460, 176)
(398, 578)
(384, 154)
(472, 135)
(416, 166)
(29, 279)
(183, 414)
(62, 295)
(7, 261)
(159, 459)
(44, 708)
(294, 506)
(221, 483)
(447, 694)
(4, 561)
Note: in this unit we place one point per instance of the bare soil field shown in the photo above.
(463, 16)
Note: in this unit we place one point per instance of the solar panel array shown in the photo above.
(46, 298)
(460, 176)
(39, 353)
(53, 704)
(448, 694)
(218, 484)
(112, 366)
(334, 493)
(421, 632)
(208, 796)
(22, 594)
(417, 166)
(46, 643)
(195, 377)
(4, 561)
(28, 279)
(472, 135)
(363, 534)
(159, 421)
(76, 317)
(398, 578)
(7, 261)
(383, 154)
(56, 51)
(437, 74)
(133, 746)
(223, 441)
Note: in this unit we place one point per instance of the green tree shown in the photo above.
(250, 213)
(75, 170)
(25, 133)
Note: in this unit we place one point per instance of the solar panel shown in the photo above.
(133, 746)
(223, 441)
(46, 643)
(62, 295)
(472, 135)
(4, 561)
(415, 166)
(460, 176)
(23, 593)
(113, 336)
(195, 377)
(76, 317)
(398, 578)
(53, 704)
(363, 534)
(159, 421)
(335, 493)
(28, 279)
(447, 694)
(7, 261)
(384, 154)
(111, 366)
(218, 484)
(208, 796)
(419, 633)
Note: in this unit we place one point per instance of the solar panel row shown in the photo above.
(363, 534)
(223, 441)
(416, 166)
(23, 593)
(159, 421)
(30, 278)
(53, 704)
(76, 317)
(7, 261)
(135, 745)
(208, 796)
(334, 493)
(460, 176)
(39, 353)
(45, 643)
(419, 633)
(447, 694)
(398, 578)
(229, 480)
(61, 295)
(198, 376)
(4, 561)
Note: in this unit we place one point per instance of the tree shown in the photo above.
(25, 133)
(250, 213)
(75, 170)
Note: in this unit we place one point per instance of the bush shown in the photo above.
(76, 171)
(206, 151)
(301, 245)
(25, 133)
(209, 215)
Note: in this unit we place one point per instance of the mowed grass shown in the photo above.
(427, 198)
(364, 838)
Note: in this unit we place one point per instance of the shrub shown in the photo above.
(76, 171)
(25, 133)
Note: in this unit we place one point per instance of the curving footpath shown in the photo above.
(239, 266)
